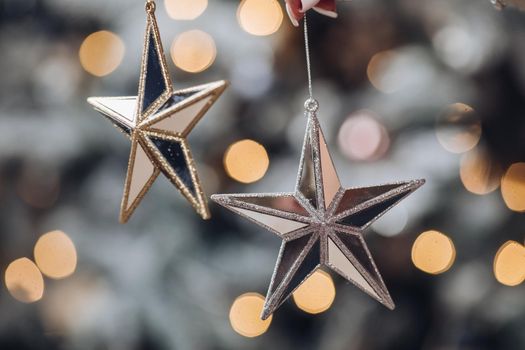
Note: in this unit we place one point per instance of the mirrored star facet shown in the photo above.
(158, 122)
(321, 223)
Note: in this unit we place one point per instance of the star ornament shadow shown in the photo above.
(158, 122)
(321, 223)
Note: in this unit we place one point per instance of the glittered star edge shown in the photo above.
(321, 223)
(158, 121)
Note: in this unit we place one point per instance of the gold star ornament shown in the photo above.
(158, 122)
(321, 223)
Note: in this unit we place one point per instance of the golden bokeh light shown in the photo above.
(513, 187)
(458, 128)
(245, 315)
(193, 51)
(246, 161)
(316, 294)
(509, 264)
(260, 17)
(378, 72)
(24, 281)
(433, 252)
(185, 9)
(55, 255)
(101, 53)
(479, 173)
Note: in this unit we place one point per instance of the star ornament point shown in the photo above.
(321, 223)
(158, 122)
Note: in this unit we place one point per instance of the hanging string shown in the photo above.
(308, 65)
(311, 104)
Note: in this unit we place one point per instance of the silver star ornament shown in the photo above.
(158, 122)
(321, 223)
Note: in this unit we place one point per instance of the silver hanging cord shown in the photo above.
(307, 49)
(311, 105)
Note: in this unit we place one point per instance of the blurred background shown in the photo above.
(408, 89)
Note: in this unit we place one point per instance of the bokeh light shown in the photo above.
(55, 255)
(362, 137)
(433, 252)
(185, 9)
(316, 294)
(24, 281)
(101, 53)
(513, 187)
(458, 128)
(460, 45)
(479, 173)
(393, 222)
(251, 75)
(246, 161)
(509, 264)
(193, 51)
(245, 315)
(380, 74)
(260, 17)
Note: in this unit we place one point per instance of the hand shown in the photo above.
(297, 8)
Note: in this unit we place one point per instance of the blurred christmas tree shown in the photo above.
(408, 89)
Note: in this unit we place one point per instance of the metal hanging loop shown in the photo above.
(311, 105)
(150, 6)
